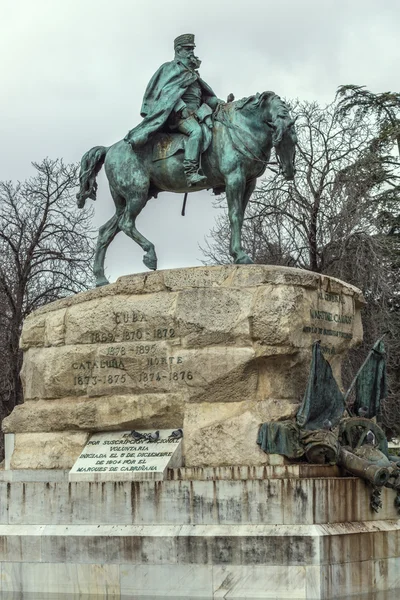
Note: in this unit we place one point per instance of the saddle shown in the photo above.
(168, 144)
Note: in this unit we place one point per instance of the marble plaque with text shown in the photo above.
(117, 456)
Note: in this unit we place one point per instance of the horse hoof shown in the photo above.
(244, 260)
(101, 281)
(150, 261)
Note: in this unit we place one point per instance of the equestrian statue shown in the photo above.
(188, 140)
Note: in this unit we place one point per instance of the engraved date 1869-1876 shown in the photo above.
(134, 335)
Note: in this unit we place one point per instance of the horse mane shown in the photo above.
(280, 116)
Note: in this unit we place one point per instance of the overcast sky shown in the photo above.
(74, 72)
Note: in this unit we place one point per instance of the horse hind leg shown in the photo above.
(127, 224)
(107, 233)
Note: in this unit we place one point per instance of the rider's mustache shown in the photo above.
(193, 60)
(196, 61)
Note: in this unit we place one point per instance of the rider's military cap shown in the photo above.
(187, 39)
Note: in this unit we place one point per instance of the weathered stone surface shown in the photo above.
(144, 351)
(88, 370)
(33, 333)
(213, 316)
(306, 498)
(236, 276)
(224, 433)
(54, 334)
(282, 538)
(108, 413)
(57, 450)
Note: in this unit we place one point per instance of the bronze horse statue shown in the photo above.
(243, 135)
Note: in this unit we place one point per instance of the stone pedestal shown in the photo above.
(213, 350)
(298, 532)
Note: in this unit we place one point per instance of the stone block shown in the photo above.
(236, 583)
(224, 433)
(111, 319)
(54, 334)
(214, 316)
(141, 283)
(33, 332)
(57, 450)
(107, 413)
(192, 502)
(9, 445)
(199, 277)
(19, 547)
(176, 581)
(59, 578)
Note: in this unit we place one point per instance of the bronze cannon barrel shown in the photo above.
(375, 473)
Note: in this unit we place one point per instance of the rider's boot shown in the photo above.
(193, 177)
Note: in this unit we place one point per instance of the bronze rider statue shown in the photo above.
(178, 99)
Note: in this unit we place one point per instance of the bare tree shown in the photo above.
(46, 247)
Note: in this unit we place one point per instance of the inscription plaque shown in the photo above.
(331, 320)
(116, 456)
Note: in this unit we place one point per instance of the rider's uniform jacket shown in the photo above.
(171, 88)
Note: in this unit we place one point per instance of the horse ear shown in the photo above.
(271, 124)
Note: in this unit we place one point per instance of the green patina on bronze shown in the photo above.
(178, 99)
(280, 437)
(353, 432)
(371, 382)
(323, 435)
(320, 446)
(323, 399)
(189, 140)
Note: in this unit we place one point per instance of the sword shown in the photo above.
(184, 204)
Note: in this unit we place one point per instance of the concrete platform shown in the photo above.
(232, 537)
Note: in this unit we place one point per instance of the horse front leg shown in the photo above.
(107, 233)
(127, 223)
(249, 189)
(235, 192)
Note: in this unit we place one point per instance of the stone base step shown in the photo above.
(184, 502)
(248, 561)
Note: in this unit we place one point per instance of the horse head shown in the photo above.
(284, 137)
(284, 141)
(272, 112)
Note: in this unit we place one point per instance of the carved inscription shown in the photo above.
(98, 379)
(329, 319)
(329, 297)
(133, 335)
(324, 315)
(136, 354)
(132, 326)
(118, 452)
(129, 317)
(328, 332)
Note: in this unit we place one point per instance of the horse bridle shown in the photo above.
(231, 126)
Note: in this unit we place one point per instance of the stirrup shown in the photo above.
(195, 178)
(191, 169)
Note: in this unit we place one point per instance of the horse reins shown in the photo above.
(231, 126)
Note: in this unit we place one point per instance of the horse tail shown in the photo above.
(91, 164)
